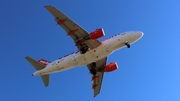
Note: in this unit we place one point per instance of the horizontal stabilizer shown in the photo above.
(34, 63)
(39, 66)
(45, 79)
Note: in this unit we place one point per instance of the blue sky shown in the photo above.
(148, 71)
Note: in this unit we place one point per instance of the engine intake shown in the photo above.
(98, 33)
(111, 67)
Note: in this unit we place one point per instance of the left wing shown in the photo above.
(98, 78)
(76, 32)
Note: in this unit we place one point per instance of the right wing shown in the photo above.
(76, 32)
(97, 83)
(98, 78)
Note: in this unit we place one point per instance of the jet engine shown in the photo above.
(111, 67)
(98, 33)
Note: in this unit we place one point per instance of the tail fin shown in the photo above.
(43, 62)
(39, 66)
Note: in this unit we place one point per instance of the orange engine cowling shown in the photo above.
(111, 67)
(98, 33)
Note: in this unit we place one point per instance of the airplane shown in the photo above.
(91, 51)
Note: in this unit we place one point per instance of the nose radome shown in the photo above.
(139, 34)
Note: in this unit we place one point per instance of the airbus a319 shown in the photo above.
(91, 51)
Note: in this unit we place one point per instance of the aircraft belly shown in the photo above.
(59, 66)
(93, 55)
(118, 43)
(98, 53)
(80, 60)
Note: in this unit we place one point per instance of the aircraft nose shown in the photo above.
(139, 34)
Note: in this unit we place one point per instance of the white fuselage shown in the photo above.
(107, 47)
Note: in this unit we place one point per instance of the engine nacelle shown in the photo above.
(98, 33)
(43, 62)
(111, 67)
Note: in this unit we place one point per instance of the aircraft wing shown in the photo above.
(76, 32)
(98, 78)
